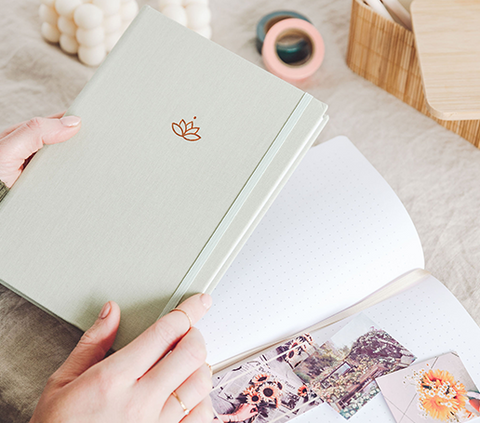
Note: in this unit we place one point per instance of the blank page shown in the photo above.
(336, 233)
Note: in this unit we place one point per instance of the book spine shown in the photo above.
(262, 209)
(396, 287)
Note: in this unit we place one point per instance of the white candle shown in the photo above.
(195, 14)
(89, 28)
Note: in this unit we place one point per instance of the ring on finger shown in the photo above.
(186, 411)
(210, 368)
(186, 314)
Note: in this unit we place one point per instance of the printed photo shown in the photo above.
(343, 370)
(297, 376)
(436, 390)
(265, 389)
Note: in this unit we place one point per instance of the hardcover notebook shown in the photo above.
(183, 146)
(337, 246)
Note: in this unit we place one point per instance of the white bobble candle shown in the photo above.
(195, 14)
(112, 23)
(187, 2)
(90, 37)
(109, 7)
(48, 14)
(50, 33)
(163, 3)
(198, 16)
(125, 25)
(111, 40)
(68, 44)
(205, 31)
(89, 28)
(66, 26)
(177, 13)
(67, 7)
(92, 56)
(128, 11)
(88, 16)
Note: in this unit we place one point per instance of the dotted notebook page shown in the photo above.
(336, 233)
(429, 321)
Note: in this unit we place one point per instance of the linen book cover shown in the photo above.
(183, 146)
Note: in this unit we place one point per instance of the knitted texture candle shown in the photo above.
(194, 14)
(89, 28)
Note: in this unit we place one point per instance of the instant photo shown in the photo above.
(342, 371)
(265, 389)
(436, 390)
(292, 378)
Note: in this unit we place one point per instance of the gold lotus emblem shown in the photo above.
(186, 130)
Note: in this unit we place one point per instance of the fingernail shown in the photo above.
(206, 300)
(70, 121)
(105, 310)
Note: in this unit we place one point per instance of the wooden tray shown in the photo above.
(384, 53)
(447, 37)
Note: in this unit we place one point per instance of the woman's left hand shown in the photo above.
(20, 141)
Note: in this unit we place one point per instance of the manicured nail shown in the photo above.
(105, 310)
(206, 300)
(70, 121)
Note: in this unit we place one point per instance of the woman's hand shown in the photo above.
(244, 412)
(134, 384)
(20, 141)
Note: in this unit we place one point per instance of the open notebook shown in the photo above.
(336, 241)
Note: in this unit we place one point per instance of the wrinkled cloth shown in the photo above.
(434, 172)
(3, 190)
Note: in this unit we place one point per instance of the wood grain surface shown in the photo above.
(447, 35)
(384, 53)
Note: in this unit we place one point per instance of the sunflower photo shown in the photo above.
(436, 390)
(342, 371)
(265, 389)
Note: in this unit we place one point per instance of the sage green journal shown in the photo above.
(182, 148)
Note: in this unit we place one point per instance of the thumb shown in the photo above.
(93, 345)
(28, 138)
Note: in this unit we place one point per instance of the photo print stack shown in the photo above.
(301, 374)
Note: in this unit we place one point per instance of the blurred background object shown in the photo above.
(194, 14)
(289, 50)
(89, 28)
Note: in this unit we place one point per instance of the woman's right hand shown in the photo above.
(135, 384)
(241, 414)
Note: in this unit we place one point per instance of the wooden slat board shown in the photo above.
(447, 36)
(384, 53)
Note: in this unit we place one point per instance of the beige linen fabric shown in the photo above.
(3, 190)
(434, 172)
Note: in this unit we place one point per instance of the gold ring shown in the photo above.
(186, 314)
(210, 367)
(185, 409)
